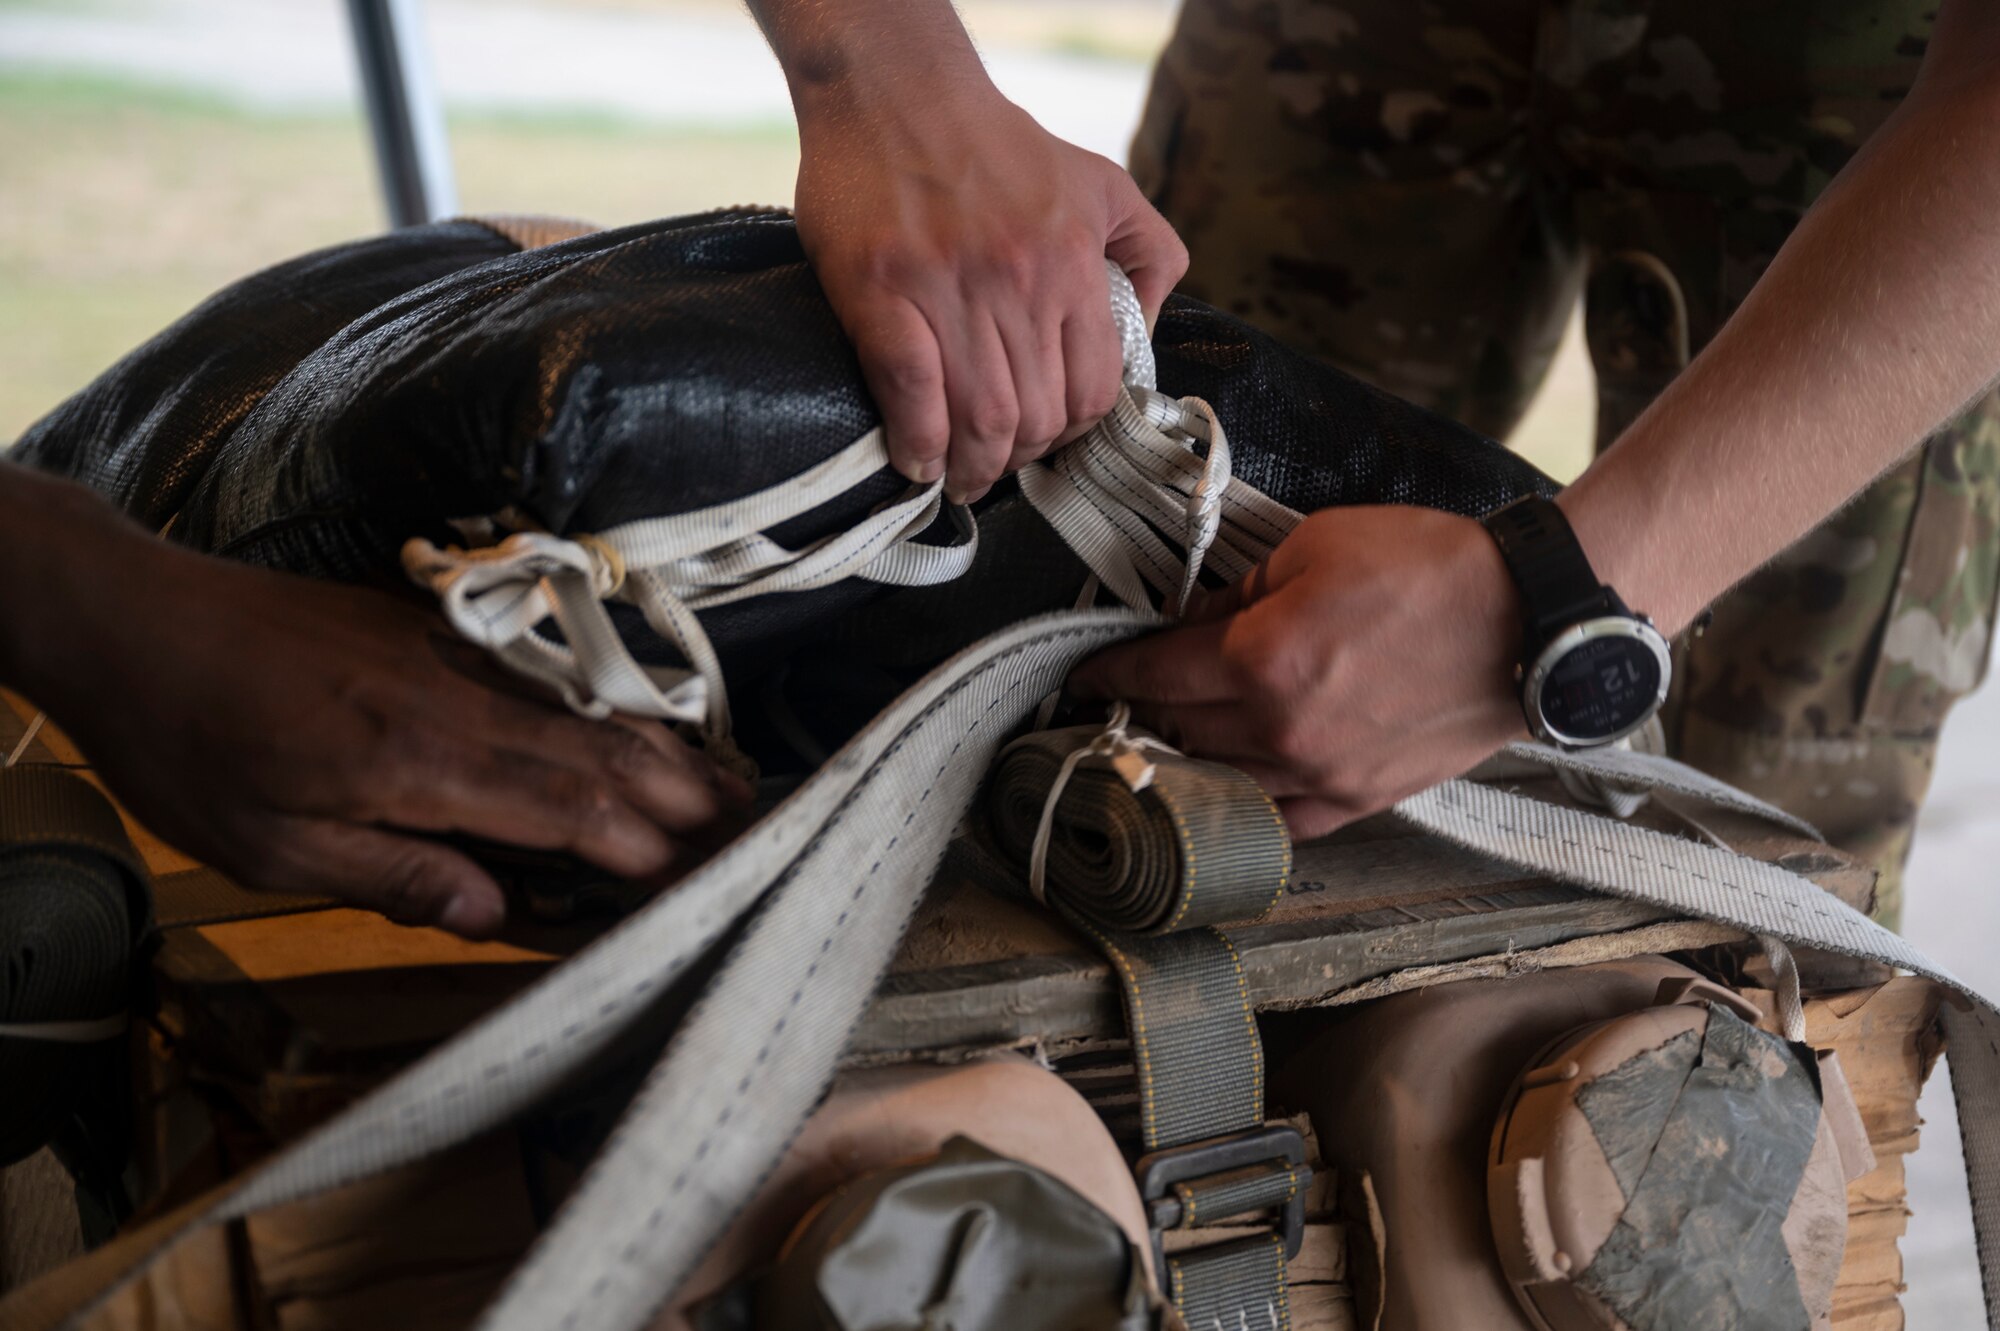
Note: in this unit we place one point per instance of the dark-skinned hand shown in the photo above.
(308, 737)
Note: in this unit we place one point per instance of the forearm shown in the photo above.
(843, 56)
(56, 541)
(1877, 321)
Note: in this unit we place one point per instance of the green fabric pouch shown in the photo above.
(967, 1239)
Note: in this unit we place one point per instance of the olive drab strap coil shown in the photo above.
(75, 929)
(46, 811)
(1147, 852)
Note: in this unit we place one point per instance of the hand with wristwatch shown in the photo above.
(1381, 649)
(1591, 671)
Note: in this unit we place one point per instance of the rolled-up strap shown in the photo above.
(1191, 844)
(1148, 851)
(73, 909)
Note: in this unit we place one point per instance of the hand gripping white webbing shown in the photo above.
(827, 880)
(671, 567)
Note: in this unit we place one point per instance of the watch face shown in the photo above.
(1600, 688)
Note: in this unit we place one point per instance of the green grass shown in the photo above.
(124, 204)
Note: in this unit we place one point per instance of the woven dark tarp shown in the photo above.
(145, 430)
(316, 416)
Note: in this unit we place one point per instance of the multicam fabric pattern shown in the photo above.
(1418, 191)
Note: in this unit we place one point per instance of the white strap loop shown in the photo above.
(672, 567)
(1785, 970)
(1155, 464)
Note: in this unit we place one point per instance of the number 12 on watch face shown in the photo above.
(1600, 688)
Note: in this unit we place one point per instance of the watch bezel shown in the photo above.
(1602, 626)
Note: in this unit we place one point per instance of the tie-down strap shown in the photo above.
(1140, 839)
(823, 887)
(1147, 851)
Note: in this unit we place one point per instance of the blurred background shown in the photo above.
(153, 150)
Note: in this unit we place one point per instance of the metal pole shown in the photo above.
(405, 114)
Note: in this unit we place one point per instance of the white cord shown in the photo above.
(27, 738)
(1127, 753)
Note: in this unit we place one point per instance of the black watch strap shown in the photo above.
(1557, 586)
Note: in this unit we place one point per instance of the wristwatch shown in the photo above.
(1591, 671)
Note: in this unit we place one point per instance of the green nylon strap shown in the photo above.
(1148, 872)
(1235, 1286)
(48, 808)
(1238, 1192)
(198, 896)
(1201, 844)
(1194, 1035)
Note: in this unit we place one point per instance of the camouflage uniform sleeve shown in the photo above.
(1417, 193)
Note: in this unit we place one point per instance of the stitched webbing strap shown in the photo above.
(1167, 844)
(1238, 1192)
(1146, 851)
(198, 896)
(1233, 1286)
(1199, 1062)
(733, 1069)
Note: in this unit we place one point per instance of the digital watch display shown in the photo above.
(1591, 671)
(1596, 683)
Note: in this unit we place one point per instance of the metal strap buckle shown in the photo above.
(1157, 1173)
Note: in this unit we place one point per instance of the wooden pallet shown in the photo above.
(275, 1023)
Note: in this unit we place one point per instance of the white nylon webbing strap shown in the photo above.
(1643, 772)
(1155, 464)
(671, 567)
(746, 1067)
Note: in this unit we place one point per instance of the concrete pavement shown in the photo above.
(666, 65)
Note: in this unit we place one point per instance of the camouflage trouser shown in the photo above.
(1418, 189)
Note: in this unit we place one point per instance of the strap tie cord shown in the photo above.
(1127, 754)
